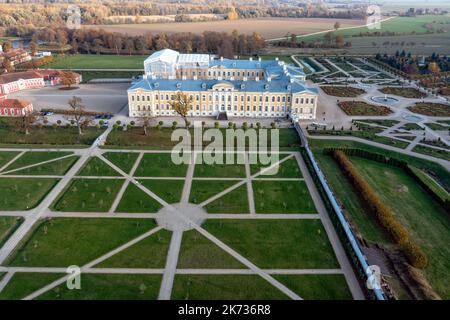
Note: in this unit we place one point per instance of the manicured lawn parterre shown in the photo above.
(282, 197)
(124, 160)
(277, 244)
(431, 109)
(340, 91)
(198, 252)
(57, 167)
(7, 226)
(361, 108)
(25, 283)
(109, 287)
(287, 169)
(34, 157)
(61, 242)
(437, 126)
(317, 287)
(224, 287)
(202, 190)
(97, 167)
(6, 156)
(160, 165)
(148, 253)
(403, 92)
(235, 201)
(438, 153)
(23, 193)
(89, 195)
(220, 169)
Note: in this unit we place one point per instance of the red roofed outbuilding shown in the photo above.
(15, 107)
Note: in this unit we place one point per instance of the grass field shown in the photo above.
(95, 195)
(282, 196)
(424, 218)
(124, 160)
(265, 242)
(7, 226)
(159, 165)
(110, 287)
(58, 167)
(437, 153)
(63, 242)
(97, 167)
(402, 25)
(96, 61)
(23, 193)
(30, 158)
(6, 156)
(23, 284)
(134, 200)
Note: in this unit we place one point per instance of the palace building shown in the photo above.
(235, 88)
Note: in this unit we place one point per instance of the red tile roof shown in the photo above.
(14, 76)
(14, 103)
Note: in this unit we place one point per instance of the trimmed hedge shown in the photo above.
(387, 220)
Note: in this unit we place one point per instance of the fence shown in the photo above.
(356, 251)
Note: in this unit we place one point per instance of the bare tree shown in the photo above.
(78, 113)
(182, 104)
(28, 119)
(145, 123)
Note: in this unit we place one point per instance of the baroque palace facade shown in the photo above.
(237, 88)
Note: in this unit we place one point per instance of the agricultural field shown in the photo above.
(424, 218)
(267, 27)
(107, 223)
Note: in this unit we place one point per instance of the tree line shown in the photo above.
(101, 41)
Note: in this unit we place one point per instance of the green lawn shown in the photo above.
(6, 156)
(223, 170)
(96, 61)
(438, 170)
(235, 201)
(97, 167)
(160, 165)
(437, 153)
(287, 169)
(46, 136)
(317, 287)
(124, 160)
(365, 222)
(25, 283)
(199, 252)
(282, 197)
(168, 190)
(109, 287)
(277, 244)
(58, 167)
(30, 158)
(148, 253)
(423, 217)
(61, 242)
(134, 200)
(432, 184)
(88, 195)
(224, 287)
(23, 193)
(7, 226)
(202, 190)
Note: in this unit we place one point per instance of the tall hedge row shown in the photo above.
(387, 220)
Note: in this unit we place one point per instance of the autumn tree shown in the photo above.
(33, 47)
(337, 25)
(6, 46)
(182, 104)
(78, 113)
(433, 67)
(7, 65)
(68, 78)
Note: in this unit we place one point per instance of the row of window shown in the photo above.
(223, 98)
(229, 108)
(227, 73)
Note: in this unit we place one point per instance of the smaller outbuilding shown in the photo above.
(15, 107)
